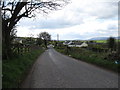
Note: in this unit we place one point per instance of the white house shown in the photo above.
(18, 40)
(67, 42)
(84, 44)
(50, 46)
(72, 45)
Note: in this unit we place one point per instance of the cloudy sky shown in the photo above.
(80, 19)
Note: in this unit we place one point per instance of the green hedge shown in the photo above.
(14, 70)
(91, 57)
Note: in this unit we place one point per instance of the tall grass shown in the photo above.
(91, 57)
(14, 70)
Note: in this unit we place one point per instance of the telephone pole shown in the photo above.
(57, 37)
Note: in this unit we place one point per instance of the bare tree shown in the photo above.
(14, 10)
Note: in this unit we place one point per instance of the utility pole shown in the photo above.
(57, 37)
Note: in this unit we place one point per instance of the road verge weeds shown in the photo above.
(14, 70)
(90, 57)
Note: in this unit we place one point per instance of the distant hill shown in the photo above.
(103, 38)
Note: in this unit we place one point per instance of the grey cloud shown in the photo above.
(100, 10)
(108, 11)
(54, 24)
(72, 36)
(112, 27)
(78, 15)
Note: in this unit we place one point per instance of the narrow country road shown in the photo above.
(54, 70)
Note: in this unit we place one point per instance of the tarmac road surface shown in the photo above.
(54, 70)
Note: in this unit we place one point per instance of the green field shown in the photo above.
(103, 41)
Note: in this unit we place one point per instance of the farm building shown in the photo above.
(82, 44)
(18, 40)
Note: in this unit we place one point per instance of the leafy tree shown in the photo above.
(14, 10)
(111, 43)
(45, 36)
(39, 41)
(30, 40)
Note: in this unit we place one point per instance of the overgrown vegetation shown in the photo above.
(90, 57)
(111, 44)
(97, 54)
(14, 70)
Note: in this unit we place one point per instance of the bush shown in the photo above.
(92, 57)
(14, 70)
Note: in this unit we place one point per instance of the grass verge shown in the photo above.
(14, 70)
(91, 57)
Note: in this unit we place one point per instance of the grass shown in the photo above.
(101, 41)
(91, 57)
(104, 41)
(14, 70)
(0, 74)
